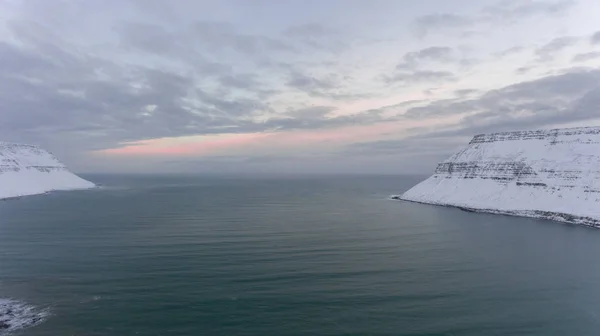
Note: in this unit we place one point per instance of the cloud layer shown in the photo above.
(128, 85)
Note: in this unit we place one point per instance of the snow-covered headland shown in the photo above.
(552, 174)
(29, 170)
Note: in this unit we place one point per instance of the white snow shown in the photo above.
(551, 174)
(29, 170)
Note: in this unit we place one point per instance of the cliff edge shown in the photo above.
(552, 174)
(29, 170)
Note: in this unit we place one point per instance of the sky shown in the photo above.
(287, 86)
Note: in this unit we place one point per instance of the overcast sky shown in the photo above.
(289, 85)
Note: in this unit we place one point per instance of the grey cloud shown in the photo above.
(241, 81)
(415, 66)
(396, 108)
(586, 56)
(221, 36)
(429, 92)
(431, 53)
(70, 98)
(48, 87)
(439, 108)
(424, 76)
(20, 61)
(548, 51)
(467, 63)
(503, 12)
(318, 37)
(172, 78)
(49, 95)
(465, 92)
(522, 70)
(595, 39)
(249, 83)
(316, 117)
(547, 102)
(567, 97)
(409, 102)
(330, 86)
(424, 24)
(148, 37)
(44, 99)
(411, 60)
(512, 10)
(308, 83)
(510, 51)
(547, 115)
(313, 117)
(217, 107)
(259, 44)
(309, 30)
(311, 85)
(201, 45)
(154, 39)
(313, 112)
(403, 104)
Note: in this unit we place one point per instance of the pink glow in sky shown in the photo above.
(186, 146)
(280, 142)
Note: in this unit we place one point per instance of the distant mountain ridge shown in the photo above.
(29, 170)
(552, 174)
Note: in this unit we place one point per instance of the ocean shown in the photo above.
(283, 256)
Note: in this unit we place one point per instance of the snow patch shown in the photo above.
(29, 170)
(551, 174)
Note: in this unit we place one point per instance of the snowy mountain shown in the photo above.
(29, 170)
(552, 174)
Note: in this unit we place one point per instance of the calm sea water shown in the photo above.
(288, 256)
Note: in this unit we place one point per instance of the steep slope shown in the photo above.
(553, 174)
(29, 170)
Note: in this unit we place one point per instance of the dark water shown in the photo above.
(293, 256)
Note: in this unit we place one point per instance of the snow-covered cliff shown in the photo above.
(553, 174)
(29, 170)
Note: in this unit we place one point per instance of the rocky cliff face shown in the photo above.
(28, 170)
(552, 174)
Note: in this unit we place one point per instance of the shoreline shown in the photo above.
(15, 198)
(560, 217)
